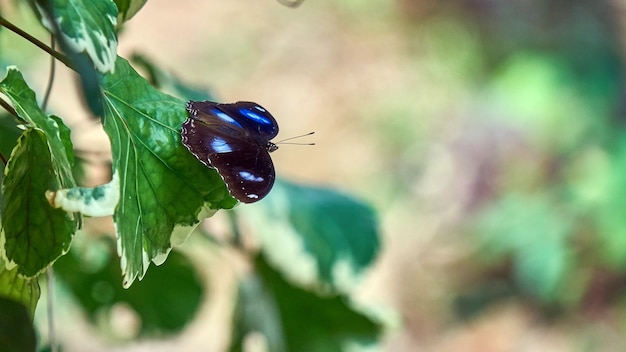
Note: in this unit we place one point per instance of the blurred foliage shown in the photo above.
(293, 319)
(547, 79)
(164, 301)
(17, 333)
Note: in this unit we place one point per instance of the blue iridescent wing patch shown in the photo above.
(235, 140)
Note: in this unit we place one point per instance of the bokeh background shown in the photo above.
(490, 136)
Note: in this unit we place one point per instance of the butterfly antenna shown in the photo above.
(282, 141)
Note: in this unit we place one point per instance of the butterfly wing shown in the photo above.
(234, 139)
(248, 174)
(253, 117)
(243, 117)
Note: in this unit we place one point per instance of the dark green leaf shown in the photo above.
(34, 234)
(58, 135)
(292, 319)
(9, 133)
(17, 333)
(85, 31)
(84, 26)
(89, 81)
(165, 300)
(316, 237)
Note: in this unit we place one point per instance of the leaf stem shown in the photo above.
(57, 55)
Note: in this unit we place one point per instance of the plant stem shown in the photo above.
(46, 96)
(8, 107)
(51, 326)
(57, 55)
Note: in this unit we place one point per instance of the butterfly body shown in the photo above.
(235, 140)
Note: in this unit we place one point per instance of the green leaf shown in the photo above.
(128, 8)
(163, 190)
(25, 104)
(19, 288)
(165, 300)
(316, 237)
(17, 333)
(293, 319)
(85, 26)
(9, 133)
(33, 233)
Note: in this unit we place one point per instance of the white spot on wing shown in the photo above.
(220, 146)
(250, 177)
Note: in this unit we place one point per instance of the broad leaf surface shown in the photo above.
(316, 237)
(9, 133)
(33, 233)
(163, 188)
(293, 319)
(86, 26)
(165, 300)
(25, 104)
(19, 288)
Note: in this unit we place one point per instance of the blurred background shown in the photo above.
(489, 135)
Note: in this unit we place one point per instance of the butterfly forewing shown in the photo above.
(254, 118)
(235, 140)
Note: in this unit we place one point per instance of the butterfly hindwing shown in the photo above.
(249, 176)
(235, 140)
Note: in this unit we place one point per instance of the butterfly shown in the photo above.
(234, 139)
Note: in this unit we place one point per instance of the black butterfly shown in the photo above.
(235, 140)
